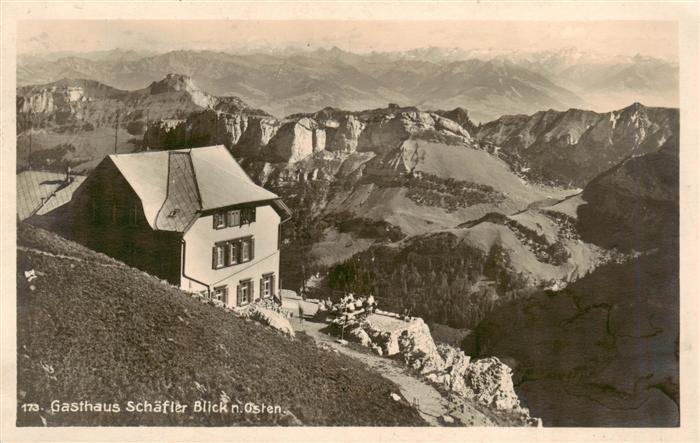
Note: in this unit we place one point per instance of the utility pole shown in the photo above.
(116, 132)
(29, 128)
(145, 133)
(216, 127)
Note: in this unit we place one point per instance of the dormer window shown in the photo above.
(219, 220)
(234, 218)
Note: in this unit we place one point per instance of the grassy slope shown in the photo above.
(583, 257)
(113, 334)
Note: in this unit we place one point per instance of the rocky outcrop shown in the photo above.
(486, 382)
(182, 83)
(418, 349)
(243, 134)
(295, 140)
(360, 336)
(48, 100)
(344, 134)
(447, 125)
(461, 117)
(58, 104)
(258, 132)
(268, 314)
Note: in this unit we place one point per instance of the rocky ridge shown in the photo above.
(574, 146)
(71, 103)
(299, 136)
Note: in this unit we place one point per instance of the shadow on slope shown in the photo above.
(604, 351)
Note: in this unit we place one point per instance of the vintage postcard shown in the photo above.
(349, 221)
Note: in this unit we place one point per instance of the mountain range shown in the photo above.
(287, 82)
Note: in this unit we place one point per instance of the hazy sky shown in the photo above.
(655, 38)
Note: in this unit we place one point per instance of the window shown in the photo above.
(221, 294)
(219, 221)
(245, 250)
(247, 216)
(218, 256)
(267, 285)
(233, 252)
(245, 292)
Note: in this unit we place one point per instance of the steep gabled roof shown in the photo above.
(222, 181)
(175, 185)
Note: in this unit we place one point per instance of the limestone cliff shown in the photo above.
(381, 131)
(242, 132)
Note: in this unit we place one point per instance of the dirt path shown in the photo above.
(430, 403)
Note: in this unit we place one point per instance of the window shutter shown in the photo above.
(251, 253)
(238, 295)
(233, 218)
(213, 257)
(272, 285)
(262, 287)
(252, 290)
